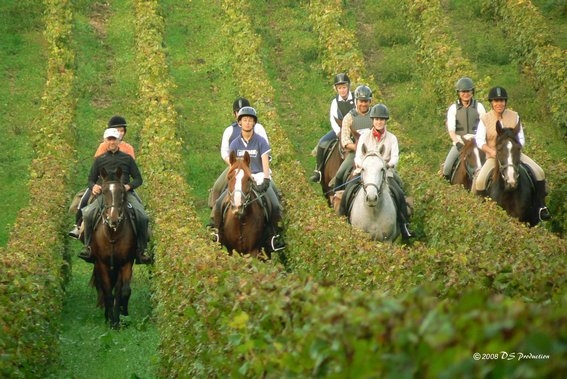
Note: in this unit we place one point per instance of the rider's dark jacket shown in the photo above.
(111, 161)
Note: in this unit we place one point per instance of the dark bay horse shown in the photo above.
(332, 162)
(512, 187)
(243, 223)
(113, 245)
(470, 160)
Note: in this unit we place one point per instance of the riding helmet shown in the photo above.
(247, 111)
(497, 93)
(117, 121)
(380, 111)
(464, 84)
(363, 93)
(239, 103)
(342, 78)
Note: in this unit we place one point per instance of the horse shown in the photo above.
(470, 160)
(374, 209)
(243, 222)
(113, 246)
(332, 162)
(511, 184)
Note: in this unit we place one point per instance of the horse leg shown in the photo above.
(105, 286)
(126, 290)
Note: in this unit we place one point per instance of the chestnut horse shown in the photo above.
(113, 246)
(242, 223)
(470, 160)
(511, 186)
(332, 162)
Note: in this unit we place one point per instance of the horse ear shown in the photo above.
(232, 157)
(498, 127)
(247, 158)
(119, 173)
(364, 149)
(103, 173)
(382, 149)
(517, 127)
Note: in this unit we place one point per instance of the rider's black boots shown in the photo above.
(316, 177)
(541, 192)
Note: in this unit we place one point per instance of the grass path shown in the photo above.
(106, 84)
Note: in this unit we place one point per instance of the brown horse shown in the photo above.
(470, 160)
(113, 246)
(511, 185)
(332, 162)
(242, 223)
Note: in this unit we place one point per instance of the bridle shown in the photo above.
(382, 172)
(117, 203)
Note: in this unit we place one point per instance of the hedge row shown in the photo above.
(226, 319)
(533, 48)
(32, 269)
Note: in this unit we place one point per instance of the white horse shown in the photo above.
(374, 209)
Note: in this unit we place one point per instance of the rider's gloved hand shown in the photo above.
(459, 145)
(263, 187)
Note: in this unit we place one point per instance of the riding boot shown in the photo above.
(316, 177)
(276, 240)
(142, 258)
(86, 255)
(541, 192)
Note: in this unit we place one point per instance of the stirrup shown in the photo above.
(316, 177)
(74, 233)
(215, 235)
(543, 214)
(276, 244)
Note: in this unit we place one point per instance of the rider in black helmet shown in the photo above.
(341, 104)
(486, 140)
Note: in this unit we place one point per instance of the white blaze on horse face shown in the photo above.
(114, 211)
(509, 173)
(238, 187)
(477, 158)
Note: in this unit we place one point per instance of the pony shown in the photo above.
(373, 208)
(243, 221)
(113, 246)
(332, 162)
(470, 160)
(512, 186)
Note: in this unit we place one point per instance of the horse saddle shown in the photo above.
(348, 197)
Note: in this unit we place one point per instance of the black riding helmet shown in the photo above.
(497, 93)
(342, 78)
(117, 121)
(239, 103)
(247, 111)
(363, 93)
(380, 111)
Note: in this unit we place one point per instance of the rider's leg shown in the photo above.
(275, 239)
(343, 171)
(320, 157)
(479, 180)
(75, 232)
(400, 199)
(540, 187)
(142, 223)
(450, 160)
(216, 217)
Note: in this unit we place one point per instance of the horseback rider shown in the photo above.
(341, 104)
(110, 161)
(486, 141)
(379, 139)
(259, 150)
(463, 117)
(356, 121)
(230, 133)
(119, 123)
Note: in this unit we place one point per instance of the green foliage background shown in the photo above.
(336, 305)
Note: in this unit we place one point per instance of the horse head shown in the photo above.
(508, 152)
(239, 179)
(372, 175)
(114, 198)
(471, 155)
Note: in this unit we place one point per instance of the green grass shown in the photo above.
(23, 77)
